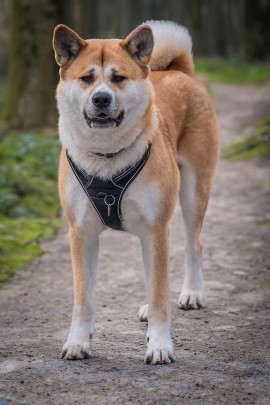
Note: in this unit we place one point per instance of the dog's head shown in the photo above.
(104, 85)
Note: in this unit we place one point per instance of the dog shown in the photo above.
(138, 131)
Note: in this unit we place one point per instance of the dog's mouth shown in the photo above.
(102, 120)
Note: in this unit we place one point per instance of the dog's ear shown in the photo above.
(66, 44)
(139, 44)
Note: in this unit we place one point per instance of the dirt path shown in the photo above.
(221, 350)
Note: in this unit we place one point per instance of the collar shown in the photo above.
(108, 155)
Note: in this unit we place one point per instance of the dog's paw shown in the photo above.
(191, 299)
(159, 345)
(75, 350)
(159, 354)
(143, 313)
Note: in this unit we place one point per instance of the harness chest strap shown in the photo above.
(106, 195)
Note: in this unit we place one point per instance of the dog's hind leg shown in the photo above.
(194, 195)
(84, 252)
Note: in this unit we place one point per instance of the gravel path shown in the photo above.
(222, 353)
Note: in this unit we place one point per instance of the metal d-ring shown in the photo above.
(109, 204)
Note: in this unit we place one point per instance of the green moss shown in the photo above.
(240, 72)
(29, 203)
(254, 146)
(19, 241)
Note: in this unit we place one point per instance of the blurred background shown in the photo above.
(235, 30)
(231, 43)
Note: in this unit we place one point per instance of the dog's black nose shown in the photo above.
(102, 100)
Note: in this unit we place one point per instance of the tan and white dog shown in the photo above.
(115, 97)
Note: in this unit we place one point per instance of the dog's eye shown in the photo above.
(87, 79)
(118, 79)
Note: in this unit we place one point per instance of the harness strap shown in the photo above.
(106, 195)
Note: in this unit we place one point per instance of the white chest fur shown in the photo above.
(140, 206)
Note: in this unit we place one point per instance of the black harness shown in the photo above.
(106, 195)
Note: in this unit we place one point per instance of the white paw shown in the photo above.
(191, 299)
(159, 345)
(75, 350)
(159, 354)
(143, 313)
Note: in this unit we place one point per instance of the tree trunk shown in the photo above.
(32, 70)
(257, 33)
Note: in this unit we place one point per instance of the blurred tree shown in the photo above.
(4, 24)
(226, 28)
(32, 74)
(216, 26)
(257, 31)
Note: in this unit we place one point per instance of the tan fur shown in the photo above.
(77, 246)
(159, 297)
(185, 138)
(98, 52)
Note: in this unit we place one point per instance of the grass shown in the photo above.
(267, 222)
(240, 72)
(254, 146)
(29, 204)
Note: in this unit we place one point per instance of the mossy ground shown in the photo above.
(254, 146)
(241, 72)
(29, 203)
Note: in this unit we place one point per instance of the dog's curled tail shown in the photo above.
(172, 47)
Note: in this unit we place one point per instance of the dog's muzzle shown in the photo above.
(102, 120)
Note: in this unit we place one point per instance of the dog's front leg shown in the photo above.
(84, 252)
(159, 342)
(146, 244)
